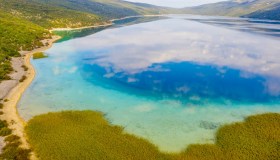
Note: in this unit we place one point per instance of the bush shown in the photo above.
(25, 68)
(11, 138)
(1, 105)
(3, 124)
(12, 151)
(39, 55)
(22, 78)
(5, 131)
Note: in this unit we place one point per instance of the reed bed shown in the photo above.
(87, 135)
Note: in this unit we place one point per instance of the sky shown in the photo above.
(177, 3)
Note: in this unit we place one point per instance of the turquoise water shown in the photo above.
(171, 80)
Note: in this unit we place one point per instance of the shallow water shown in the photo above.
(171, 80)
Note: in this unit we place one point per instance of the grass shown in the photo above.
(39, 55)
(257, 138)
(87, 135)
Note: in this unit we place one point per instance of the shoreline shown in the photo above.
(70, 29)
(10, 111)
(110, 23)
(15, 92)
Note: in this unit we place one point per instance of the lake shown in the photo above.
(172, 80)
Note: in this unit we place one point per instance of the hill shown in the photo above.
(243, 8)
(17, 34)
(48, 16)
(109, 9)
(270, 13)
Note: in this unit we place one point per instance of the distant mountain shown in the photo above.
(270, 13)
(243, 8)
(107, 8)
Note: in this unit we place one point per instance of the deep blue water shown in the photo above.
(183, 80)
(166, 79)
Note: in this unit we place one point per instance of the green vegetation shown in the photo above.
(48, 16)
(23, 78)
(17, 34)
(270, 13)
(25, 68)
(23, 23)
(4, 130)
(257, 138)
(262, 9)
(12, 149)
(87, 135)
(39, 55)
(108, 9)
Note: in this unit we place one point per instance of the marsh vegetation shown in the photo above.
(87, 135)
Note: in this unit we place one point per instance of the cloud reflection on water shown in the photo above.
(142, 48)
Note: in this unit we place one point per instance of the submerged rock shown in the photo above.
(209, 125)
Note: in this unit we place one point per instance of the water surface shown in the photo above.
(171, 80)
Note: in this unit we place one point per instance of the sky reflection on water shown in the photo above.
(136, 55)
(169, 80)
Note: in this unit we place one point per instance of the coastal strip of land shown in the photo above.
(12, 90)
(107, 24)
(10, 112)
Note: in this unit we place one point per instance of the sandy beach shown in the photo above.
(70, 29)
(12, 90)
(10, 113)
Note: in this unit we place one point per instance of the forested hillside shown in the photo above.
(109, 9)
(48, 16)
(262, 9)
(17, 34)
(272, 13)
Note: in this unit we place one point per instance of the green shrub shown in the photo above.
(3, 124)
(11, 138)
(5, 131)
(13, 151)
(22, 78)
(39, 55)
(1, 105)
(25, 68)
